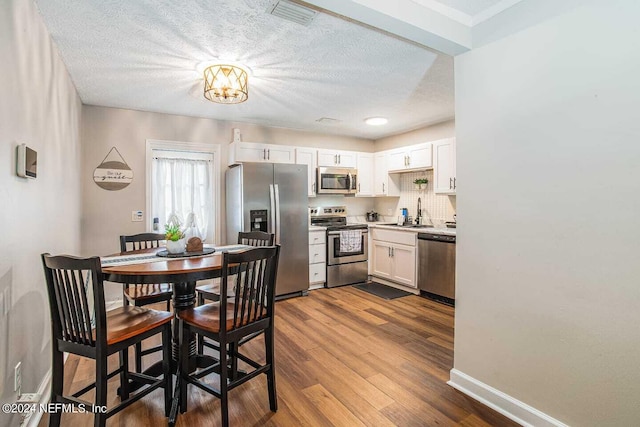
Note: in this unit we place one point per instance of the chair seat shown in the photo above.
(207, 317)
(141, 292)
(126, 322)
(210, 292)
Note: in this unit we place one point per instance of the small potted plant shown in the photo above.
(175, 238)
(420, 183)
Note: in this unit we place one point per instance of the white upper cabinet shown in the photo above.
(365, 175)
(383, 184)
(413, 157)
(444, 166)
(240, 152)
(336, 158)
(307, 156)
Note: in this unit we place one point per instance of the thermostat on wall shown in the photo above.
(26, 162)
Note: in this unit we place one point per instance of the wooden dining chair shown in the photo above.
(81, 325)
(141, 295)
(253, 273)
(211, 292)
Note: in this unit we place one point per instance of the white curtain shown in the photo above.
(183, 187)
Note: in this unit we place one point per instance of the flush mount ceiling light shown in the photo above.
(376, 121)
(225, 84)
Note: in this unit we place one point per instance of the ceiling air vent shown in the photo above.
(328, 120)
(293, 12)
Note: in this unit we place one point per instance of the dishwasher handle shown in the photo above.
(437, 237)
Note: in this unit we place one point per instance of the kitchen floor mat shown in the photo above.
(382, 291)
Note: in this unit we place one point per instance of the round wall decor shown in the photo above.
(113, 175)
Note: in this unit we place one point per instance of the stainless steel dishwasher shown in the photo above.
(437, 266)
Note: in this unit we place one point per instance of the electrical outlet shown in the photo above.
(136, 216)
(17, 377)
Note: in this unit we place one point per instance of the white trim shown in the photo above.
(508, 406)
(450, 12)
(44, 390)
(156, 144)
(492, 11)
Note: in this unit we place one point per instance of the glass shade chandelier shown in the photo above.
(225, 84)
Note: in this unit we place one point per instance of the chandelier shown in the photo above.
(225, 84)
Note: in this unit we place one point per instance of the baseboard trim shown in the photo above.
(44, 390)
(508, 406)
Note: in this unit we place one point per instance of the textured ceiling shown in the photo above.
(143, 55)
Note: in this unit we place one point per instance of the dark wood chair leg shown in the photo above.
(224, 385)
(57, 384)
(124, 374)
(232, 354)
(199, 337)
(100, 417)
(184, 364)
(271, 373)
(138, 355)
(166, 368)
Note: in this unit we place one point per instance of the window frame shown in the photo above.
(213, 149)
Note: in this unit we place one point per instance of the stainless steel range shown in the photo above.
(347, 246)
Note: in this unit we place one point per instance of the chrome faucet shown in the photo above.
(419, 213)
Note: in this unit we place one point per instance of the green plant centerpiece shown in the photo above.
(420, 183)
(174, 236)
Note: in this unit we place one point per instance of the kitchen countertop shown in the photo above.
(434, 230)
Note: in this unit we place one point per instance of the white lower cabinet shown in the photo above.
(317, 259)
(394, 256)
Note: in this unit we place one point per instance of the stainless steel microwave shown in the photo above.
(337, 180)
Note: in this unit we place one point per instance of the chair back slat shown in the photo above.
(255, 238)
(253, 272)
(76, 295)
(141, 241)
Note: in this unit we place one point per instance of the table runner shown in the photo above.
(115, 260)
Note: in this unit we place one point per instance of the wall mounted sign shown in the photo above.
(114, 174)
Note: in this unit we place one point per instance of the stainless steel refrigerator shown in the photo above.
(272, 197)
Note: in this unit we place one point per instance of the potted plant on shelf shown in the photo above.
(420, 183)
(175, 238)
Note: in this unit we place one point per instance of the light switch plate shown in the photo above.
(136, 216)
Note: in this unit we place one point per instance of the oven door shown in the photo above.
(336, 257)
(337, 180)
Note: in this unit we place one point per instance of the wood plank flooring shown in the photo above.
(344, 358)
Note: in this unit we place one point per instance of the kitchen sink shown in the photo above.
(393, 224)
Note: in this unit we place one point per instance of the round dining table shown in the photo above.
(182, 273)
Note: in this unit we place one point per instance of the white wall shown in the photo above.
(548, 278)
(39, 106)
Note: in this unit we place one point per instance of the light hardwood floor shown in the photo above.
(344, 358)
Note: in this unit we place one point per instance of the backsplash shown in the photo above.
(437, 207)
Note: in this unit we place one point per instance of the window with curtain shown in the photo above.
(182, 186)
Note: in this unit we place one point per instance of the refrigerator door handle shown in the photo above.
(272, 200)
(277, 198)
